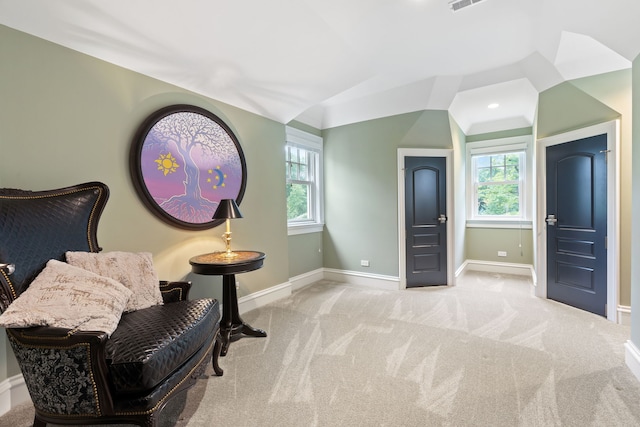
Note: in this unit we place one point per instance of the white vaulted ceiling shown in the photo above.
(334, 62)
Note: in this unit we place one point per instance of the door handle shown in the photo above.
(442, 218)
(551, 220)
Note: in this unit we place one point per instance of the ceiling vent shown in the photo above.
(456, 5)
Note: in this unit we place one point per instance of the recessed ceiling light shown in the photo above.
(493, 105)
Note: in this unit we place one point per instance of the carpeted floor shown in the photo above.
(482, 353)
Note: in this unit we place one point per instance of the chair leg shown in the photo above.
(151, 421)
(37, 422)
(217, 348)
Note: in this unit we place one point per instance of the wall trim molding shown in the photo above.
(501, 267)
(13, 392)
(363, 279)
(306, 279)
(497, 267)
(264, 297)
(632, 358)
(624, 315)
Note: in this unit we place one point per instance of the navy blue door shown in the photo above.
(577, 223)
(425, 221)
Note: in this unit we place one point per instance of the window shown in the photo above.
(301, 175)
(498, 182)
(303, 162)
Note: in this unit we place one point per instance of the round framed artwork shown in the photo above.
(184, 160)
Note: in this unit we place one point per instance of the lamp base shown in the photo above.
(229, 254)
(226, 238)
(222, 257)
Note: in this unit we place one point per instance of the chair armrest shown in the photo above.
(74, 360)
(174, 291)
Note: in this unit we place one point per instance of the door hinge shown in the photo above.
(606, 155)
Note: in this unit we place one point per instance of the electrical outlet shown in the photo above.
(502, 253)
(364, 262)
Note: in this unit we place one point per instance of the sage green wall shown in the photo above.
(588, 101)
(500, 134)
(361, 189)
(484, 244)
(305, 127)
(634, 230)
(565, 107)
(67, 118)
(305, 253)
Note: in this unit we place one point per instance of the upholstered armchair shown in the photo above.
(102, 360)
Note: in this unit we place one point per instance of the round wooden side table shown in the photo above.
(220, 264)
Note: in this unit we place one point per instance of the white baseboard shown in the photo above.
(264, 297)
(275, 293)
(278, 292)
(306, 279)
(498, 267)
(358, 278)
(632, 358)
(13, 392)
(624, 315)
(460, 270)
(534, 278)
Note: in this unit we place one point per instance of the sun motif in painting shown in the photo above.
(218, 180)
(167, 163)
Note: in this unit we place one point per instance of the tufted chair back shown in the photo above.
(38, 226)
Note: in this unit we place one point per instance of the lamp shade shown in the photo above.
(227, 208)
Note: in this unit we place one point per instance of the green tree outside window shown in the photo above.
(498, 184)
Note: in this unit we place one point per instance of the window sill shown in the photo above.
(304, 228)
(499, 223)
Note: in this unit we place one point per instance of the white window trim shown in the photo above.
(516, 143)
(309, 142)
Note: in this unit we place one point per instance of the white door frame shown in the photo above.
(612, 130)
(402, 249)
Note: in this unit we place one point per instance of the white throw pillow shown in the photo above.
(68, 297)
(134, 270)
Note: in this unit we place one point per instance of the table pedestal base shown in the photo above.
(232, 327)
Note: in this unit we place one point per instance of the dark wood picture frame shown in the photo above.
(183, 161)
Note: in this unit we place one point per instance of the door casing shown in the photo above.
(402, 251)
(612, 130)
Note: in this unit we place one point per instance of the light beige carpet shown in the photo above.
(482, 353)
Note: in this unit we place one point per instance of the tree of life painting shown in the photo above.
(189, 162)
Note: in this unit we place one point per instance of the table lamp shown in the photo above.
(227, 209)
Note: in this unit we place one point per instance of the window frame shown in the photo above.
(311, 143)
(521, 144)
